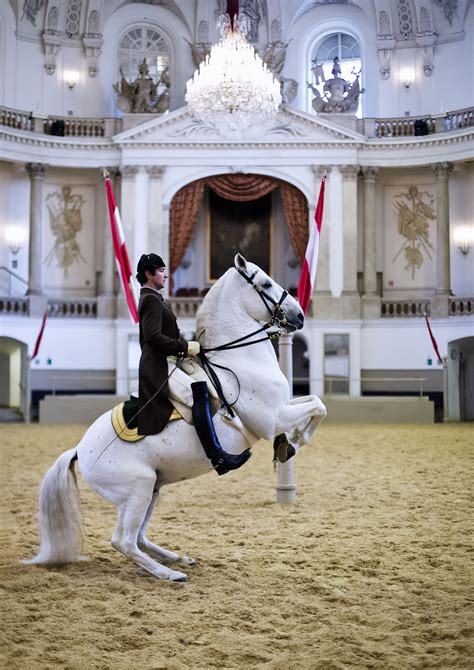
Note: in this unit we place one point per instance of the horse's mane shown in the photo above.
(211, 299)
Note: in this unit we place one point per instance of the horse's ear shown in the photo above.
(240, 262)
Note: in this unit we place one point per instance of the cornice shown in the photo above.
(424, 149)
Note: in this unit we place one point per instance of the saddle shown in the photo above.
(125, 420)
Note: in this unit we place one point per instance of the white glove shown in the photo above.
(193, 348)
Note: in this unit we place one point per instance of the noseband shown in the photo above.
(277, 315)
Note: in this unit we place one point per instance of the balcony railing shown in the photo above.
(85, 308)
(72, 126)
(390, 309)
(460, 306)
(187, 307)
(411, 126)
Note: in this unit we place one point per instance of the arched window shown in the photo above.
(139, 43)
(347, 49)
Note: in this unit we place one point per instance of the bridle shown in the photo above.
(277, 317)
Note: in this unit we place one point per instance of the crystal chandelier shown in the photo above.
(233, 89)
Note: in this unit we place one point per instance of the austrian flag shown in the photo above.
(121, 255)
(308, 272)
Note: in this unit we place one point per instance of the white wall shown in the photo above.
(461, 213)
(15, 373)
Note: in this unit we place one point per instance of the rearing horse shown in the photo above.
(235, 312)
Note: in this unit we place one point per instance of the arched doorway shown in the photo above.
(14, 380)
(211, 219)
(461, 379)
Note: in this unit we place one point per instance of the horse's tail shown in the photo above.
(59, 518)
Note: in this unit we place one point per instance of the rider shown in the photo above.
(159, 338)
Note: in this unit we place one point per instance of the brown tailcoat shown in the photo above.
(159, 338)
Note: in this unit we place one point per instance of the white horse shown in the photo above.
(244, 305)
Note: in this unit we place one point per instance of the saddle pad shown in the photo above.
(131, 434)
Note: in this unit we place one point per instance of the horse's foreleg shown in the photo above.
(162, 554)
(131, 515)
(300, 418)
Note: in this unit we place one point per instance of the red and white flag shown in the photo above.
(308, 272)
(121, 255)
(40, 337)
(433, 339)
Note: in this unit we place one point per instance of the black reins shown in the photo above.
(277, 317)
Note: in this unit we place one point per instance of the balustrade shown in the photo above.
(85, 308)
(71, 126)
(185, 307)
(404, 308)
(460, 306)
(14, 306)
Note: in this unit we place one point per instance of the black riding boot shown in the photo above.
(221, 461)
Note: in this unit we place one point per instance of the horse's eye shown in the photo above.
(267, 284)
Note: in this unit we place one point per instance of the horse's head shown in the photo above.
(266, 301)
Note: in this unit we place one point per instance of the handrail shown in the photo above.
(348, 380)
(14, 274)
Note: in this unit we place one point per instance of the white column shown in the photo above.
(128, 195)
(36, 172)
(440, 302)
(336, 265)
(106, 304)
(140, 241)
(286, 487)
(155, 210)
(164, 242)
(350, 294)
(37, 303)
(370, 299)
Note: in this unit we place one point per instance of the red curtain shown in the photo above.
(184, 214)
(239, 187)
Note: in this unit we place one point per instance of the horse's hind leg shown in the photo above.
(131, 515)
(153, 549)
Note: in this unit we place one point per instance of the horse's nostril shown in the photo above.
(301, 317)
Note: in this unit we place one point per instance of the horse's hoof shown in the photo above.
(176, 576)
(283, 449)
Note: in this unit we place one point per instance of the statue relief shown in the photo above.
(53, 16)
(30, 10)
(338, 95)
(414, 210)
(93, 23)
(65, 221)
(143, 95)
(384, 24)
(449, 7)
(274, 58)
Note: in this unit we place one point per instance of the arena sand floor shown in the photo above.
(370, 569)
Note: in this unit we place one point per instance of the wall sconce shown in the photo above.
(71, 78)
(14, 238)
(464, 238)
(407, 78)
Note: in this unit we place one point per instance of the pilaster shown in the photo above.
(36, 172)
(350, 298)
(155, 210)
(106, 301)
(370, 299)
(440, 301)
